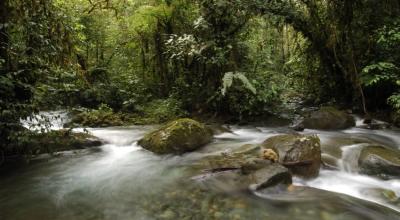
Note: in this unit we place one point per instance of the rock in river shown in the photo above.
(380, 161)
(241, 169)
(271, 175)
(179, 136)
(300, 153)
(328, 118)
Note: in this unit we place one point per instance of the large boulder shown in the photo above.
(179, 136)
(379, 161)
(243, 168)
(300, 153)
(328, 118)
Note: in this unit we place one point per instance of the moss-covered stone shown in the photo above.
(328, 118)
(379, 161)
(61, 140)
(178, 136)
(300, 153)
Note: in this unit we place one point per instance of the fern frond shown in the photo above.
(228, 78)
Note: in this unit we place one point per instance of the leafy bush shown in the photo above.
(162, 110)
(243, 97)
(384, 70)
(104, 116)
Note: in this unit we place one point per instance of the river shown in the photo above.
(120, 180)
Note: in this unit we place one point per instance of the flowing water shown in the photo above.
(120, 180)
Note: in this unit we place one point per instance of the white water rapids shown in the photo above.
(116, 180)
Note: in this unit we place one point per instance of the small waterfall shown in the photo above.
(350, 154)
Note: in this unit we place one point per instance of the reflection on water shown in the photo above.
(123, 181)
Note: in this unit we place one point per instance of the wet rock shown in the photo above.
(298, 127)
(271, 175)
(369, 123)
(224, 181)
(235, 180)
(179, 136)
(367, 119)
(300, 153)
(248, 149)
(62, 140)
(395, 118)
(252, 164)
(329, 162)
(379, 161)
(246, 158)
(384, 195)
(242, 168)
(292, 193)
(328, 118)
(219, 129)
(374, 126)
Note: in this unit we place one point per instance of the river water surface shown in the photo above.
(120, 180)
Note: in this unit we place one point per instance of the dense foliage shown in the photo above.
(166, 58)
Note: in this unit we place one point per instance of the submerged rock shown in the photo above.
(179, 136)
(379, 161)
(219, 129)
(385, 195)
(271, 175)
(300, 153)
(328, 118)
(235, 180)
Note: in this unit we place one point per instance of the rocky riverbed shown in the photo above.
(220, 180)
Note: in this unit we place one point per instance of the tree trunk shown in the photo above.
(4, 39)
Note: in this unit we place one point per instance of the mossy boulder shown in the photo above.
(328, 118)
(300, 153)
(179, 136)
(62, 140)
(379, 161)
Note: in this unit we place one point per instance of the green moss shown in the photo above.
(390, 155)
(54, 141)
(379, 161)
(178, 136)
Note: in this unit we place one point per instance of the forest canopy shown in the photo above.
(167, 58)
